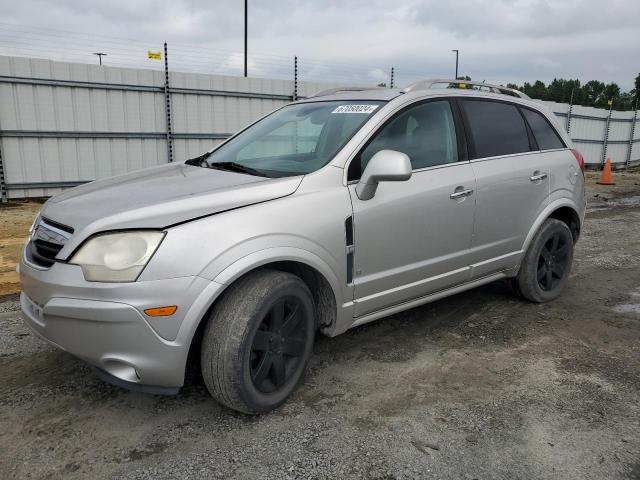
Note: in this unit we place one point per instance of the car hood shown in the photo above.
(159, 197)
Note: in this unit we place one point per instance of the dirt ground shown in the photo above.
(481, 385)
(15, 220)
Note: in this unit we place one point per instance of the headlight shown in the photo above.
(116, 257)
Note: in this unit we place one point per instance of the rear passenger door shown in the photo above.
(512, 180)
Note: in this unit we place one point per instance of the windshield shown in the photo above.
(295, 140)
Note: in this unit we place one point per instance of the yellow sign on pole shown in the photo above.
(154, 55)
(610, 102)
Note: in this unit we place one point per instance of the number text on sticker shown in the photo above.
(355, 109)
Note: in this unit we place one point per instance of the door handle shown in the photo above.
(461, 193)
(538, 176)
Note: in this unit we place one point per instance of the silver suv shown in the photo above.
(324, 215)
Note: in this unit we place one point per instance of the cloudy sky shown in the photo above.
(345, 40)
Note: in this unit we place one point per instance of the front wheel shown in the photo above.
(258, 341)
(545, 269)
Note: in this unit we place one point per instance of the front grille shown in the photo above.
(47, 240)
(67, 231)
(44, 253)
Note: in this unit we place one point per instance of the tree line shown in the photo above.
(594, 93)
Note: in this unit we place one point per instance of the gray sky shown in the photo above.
(344, 40)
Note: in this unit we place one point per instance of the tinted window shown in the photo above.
(546, 136)
(496, 128)
(425, 132)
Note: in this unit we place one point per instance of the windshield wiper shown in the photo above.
(236, 167)
(199, 161)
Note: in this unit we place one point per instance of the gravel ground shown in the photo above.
(477, 386)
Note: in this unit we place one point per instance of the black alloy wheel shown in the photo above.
(278, 345)
(552, 262)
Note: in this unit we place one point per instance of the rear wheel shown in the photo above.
(547, 263)
(258, 340)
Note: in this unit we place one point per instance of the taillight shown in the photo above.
(579, 159)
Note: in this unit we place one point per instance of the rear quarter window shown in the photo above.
(496, 128)
(546, 136)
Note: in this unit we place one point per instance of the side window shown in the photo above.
(425, 132)
(545, 135)
(496, 128)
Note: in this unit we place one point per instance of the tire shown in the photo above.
(258, 341)
(545, 269)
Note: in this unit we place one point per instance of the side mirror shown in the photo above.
(384, 166)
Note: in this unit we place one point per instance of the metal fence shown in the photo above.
(62, 124)
(600, 134)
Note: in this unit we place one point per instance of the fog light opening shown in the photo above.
(122, 370)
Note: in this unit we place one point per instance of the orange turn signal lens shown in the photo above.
(161, 311)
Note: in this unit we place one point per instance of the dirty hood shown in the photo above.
(159, 197)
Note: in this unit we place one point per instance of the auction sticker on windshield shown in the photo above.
(355, 109)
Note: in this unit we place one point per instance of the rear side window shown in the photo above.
(496, 128)
(545, 134)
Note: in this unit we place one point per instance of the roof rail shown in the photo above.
(331, 91)
(428, 84)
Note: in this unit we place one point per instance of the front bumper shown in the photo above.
(104, 323)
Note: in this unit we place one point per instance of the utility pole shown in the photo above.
(100, 55)
(245, 37)
(457, 52)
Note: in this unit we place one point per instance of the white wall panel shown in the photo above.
(592, 152)
(620, 129)
(587, 129)
(617, 152)
(635, 153)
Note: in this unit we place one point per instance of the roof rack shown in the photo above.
(428, 84)
(331, 91)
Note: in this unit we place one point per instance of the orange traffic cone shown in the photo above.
(605, 176)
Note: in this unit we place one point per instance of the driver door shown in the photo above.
(413, 238)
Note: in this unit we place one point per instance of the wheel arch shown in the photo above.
(570, 217)
(324, 298)
(314, 272)
(563, 210)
